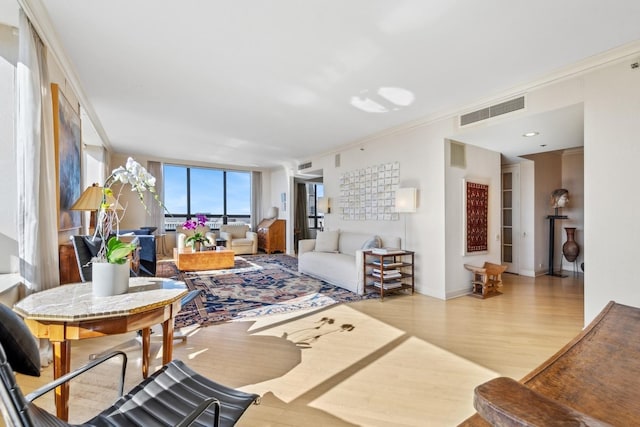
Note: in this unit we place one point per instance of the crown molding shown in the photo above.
(630, 51)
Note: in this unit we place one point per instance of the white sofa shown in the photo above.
(336, 256)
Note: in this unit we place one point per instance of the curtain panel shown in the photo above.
(35, 152)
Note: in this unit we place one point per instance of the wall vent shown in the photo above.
(304, 166)
(492, 111)
(337, 160)
(458, 155)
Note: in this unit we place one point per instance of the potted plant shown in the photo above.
(198, 238)
(111, 265)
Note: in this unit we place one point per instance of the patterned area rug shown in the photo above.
(257, 285)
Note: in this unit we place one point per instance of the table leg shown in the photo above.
(167, 340)
(146, 351)
(61, 366)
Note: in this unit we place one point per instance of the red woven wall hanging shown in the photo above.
(477, 212)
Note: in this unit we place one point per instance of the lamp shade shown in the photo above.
(91, 199)
(273, 212)
(406, 200)
(324, 205)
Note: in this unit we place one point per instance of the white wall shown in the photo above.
(527, 235)
(420, 152)
(611, 196)
(8, 188)
(573, 180)
(483, 166)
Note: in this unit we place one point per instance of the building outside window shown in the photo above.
(222, 195)
(316, 219)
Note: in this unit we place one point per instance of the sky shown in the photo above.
(207, 191)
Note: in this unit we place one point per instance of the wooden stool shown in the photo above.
(486, 279)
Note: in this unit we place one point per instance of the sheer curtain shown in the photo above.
(37, 218)
(156, 211)
(256, 199)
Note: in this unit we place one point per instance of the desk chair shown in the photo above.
(174, 395)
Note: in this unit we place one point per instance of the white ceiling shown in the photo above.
(267, 83)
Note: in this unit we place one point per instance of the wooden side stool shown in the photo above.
(486, 279)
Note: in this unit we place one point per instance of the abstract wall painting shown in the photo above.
(67, 137)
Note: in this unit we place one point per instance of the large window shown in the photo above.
(314, 192)
(219, 194)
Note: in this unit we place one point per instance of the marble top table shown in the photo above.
(71, 312)
(76, 302)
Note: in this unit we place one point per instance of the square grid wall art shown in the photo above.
(369, 193)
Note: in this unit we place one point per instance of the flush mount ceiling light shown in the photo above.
(385, 99)
(530, 134)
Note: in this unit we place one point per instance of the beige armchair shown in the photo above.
(183, 233)
(239, 238)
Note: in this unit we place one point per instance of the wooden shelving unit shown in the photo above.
(389, 272)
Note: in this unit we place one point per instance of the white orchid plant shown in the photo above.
(115, 251)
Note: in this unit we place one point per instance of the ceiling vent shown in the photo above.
(492, 111)
(303, 166)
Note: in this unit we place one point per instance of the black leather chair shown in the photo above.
(175, 395)
(86, 247)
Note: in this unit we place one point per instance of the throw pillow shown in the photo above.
(327, 241)
(374, 242)
(18, 343)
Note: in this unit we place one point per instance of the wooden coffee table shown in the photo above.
(189, 260)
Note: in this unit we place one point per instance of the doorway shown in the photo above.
(511, 218)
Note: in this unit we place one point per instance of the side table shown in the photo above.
(390, 271)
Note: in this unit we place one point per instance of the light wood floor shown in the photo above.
(407, 361)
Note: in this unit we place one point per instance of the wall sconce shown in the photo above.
(324, 205)
(272, 213)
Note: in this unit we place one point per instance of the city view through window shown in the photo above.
(216, 193)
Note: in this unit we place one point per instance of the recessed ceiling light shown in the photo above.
(528, 134)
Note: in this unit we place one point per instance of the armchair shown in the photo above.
(183, 233)
(174, 395)
(239, 238)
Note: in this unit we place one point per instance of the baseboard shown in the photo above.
(529, 273)
(457, 293)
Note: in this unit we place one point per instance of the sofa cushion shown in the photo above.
(350, 242)
(373, 242)
(327, 241)
(235, 230)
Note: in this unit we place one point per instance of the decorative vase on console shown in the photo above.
(570, 249)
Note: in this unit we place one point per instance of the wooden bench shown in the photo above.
(593, 381)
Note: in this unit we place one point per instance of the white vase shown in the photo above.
(110, 279)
